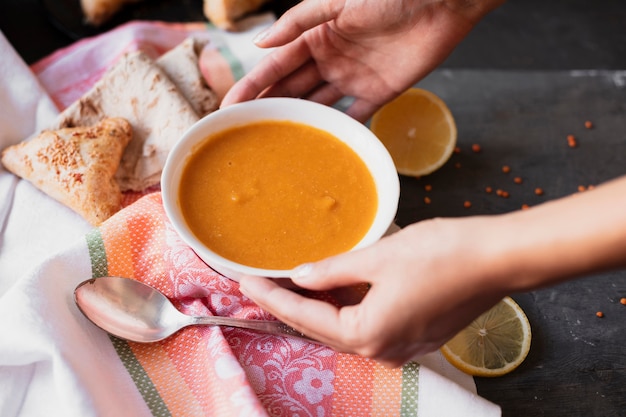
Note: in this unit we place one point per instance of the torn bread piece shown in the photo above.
(225, 13)
(97, 12)
(136, 89)
(75, 166)
(182, 67)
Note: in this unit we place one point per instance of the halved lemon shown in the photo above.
(494, 344)
(418, 130)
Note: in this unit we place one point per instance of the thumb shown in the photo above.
(297, 20)
(339, 271)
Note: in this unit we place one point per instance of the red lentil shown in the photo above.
(428, 187)
(506, 169)
(457, 165)
(505, 194)
(517, 180)
(476, 148)
(623, 301)
(588, 124)
(525, 206)
(538, 191)
(457, 149)
(581, 188)
(467, 204)
(488, 190)
(427, 200)
(499, 192)
(571, 141)
(600, 314)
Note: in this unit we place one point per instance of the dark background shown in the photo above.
(510, 86)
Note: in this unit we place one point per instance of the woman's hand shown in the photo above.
(428, 281)
(432, 278)
(369, 50)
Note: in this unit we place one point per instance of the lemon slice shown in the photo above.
(494, 344)
(418, 130)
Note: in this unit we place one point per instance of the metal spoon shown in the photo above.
(134, 311)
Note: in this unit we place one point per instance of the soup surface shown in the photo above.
(275, 194)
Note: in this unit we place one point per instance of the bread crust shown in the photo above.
(98, 12)
(75, 166)
(138, 90)
(225, 13)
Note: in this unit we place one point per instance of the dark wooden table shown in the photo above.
(530, 74)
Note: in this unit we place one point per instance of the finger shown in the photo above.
(297, 84)
(316, 319)
(325, 94)
(362, 110)
(297, 20)
(339, 271)
(273, 68)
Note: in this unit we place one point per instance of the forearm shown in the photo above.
(571, 237)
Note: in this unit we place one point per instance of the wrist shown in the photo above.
(567, 238)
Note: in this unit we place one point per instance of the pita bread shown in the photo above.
(136, 89)
(75, 166)
(181, 66)
(225, 13)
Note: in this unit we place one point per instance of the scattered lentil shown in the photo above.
(427, 200)
(506, 169)
(600, 314)
(505, 194)
(457, 149)
(499, 192)
(588, 124)
(571, 141)
(517, 180)
(525, 206)
(623, 301)
(539, 191)
(488, 190)
(467, 204)
(476, 148)
(428, 187)
(457, 165)
(581, 188)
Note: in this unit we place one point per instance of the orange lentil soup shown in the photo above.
(275, 194)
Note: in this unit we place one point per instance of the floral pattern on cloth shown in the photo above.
(225, 371)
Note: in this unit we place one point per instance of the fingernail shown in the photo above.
(262, 35)
(301, 272)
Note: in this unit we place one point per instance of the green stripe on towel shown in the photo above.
(233, 62)
(410, 388)
(141, 379)
(235, 65)
(99, 268)
(97, 254)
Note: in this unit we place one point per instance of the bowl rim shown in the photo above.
(301, 111)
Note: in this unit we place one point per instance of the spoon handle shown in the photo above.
(265, 326)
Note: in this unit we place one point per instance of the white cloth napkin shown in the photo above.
(47, 347)
(32, 225)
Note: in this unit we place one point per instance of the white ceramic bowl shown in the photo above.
(354, 134)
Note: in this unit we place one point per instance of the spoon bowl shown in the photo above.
(135, 311)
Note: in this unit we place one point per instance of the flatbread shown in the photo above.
(136, 89)
(75, 166)
(181, 66)
(225, 13)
